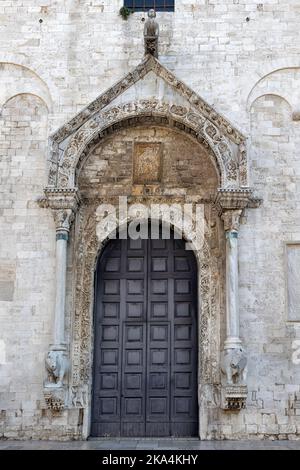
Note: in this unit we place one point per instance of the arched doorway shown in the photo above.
(145, 350)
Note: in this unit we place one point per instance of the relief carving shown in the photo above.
(79, 397)
(149, 63)
(234, 365)
(91, 122)
(147, 162)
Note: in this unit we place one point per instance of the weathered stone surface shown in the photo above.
(54, 69)
(293, 282)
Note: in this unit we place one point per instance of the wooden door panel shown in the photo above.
(145, 359)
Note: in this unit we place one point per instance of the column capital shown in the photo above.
(231, 219)
(63, 220)
(64, 203)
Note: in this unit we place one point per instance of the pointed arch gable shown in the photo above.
(188, 112)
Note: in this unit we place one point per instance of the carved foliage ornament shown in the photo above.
(224, 156)
(87, 247)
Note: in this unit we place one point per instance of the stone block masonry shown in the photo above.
(243, 59)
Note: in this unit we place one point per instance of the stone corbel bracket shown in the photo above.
(60, 199)
(234, 397)
(235, 199)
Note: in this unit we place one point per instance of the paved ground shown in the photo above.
(149, 444)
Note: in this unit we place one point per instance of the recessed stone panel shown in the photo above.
(147, 162)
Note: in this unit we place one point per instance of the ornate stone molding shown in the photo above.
(231, 199)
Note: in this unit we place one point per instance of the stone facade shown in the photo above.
(241, 134)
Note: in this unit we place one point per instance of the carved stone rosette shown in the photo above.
(69, 146)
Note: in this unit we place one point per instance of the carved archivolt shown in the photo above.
(72, 142)
(231, 163)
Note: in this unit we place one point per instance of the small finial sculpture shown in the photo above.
(151, 33)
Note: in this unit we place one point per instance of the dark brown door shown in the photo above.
(145, 356)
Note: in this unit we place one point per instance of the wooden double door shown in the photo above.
(145, 352)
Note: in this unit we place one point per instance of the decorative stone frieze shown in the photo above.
(231, 199)
(227, 149)
(147, 112)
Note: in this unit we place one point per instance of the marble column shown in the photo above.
(56, 362)
(64, 203)
(231, 226)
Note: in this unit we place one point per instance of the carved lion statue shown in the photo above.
(234, 365)
(57, 366)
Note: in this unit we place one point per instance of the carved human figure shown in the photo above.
(234, 365)
(151, 33)
(57, 366)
